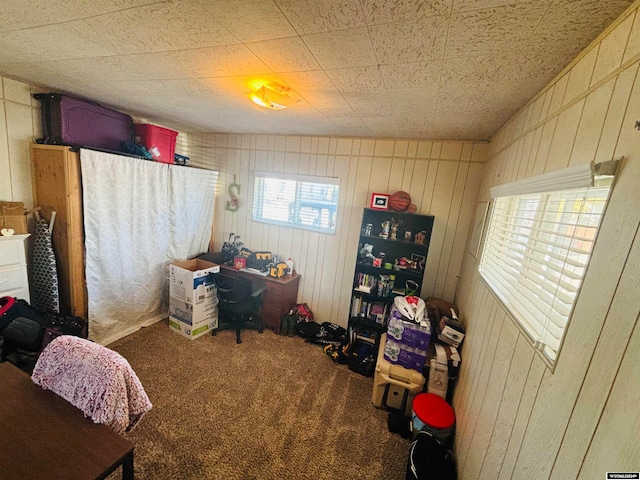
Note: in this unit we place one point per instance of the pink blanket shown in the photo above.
(95, 379)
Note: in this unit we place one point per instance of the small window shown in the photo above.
(296, 201)
(537, 250)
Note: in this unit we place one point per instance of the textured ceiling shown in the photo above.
(430, 69)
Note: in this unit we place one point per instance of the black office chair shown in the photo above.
(239, 305)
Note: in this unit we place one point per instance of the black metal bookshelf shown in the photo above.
(398, 244)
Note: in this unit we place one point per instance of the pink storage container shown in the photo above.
(160, 141)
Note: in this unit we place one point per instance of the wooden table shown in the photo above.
(279, 296)
(42, 436)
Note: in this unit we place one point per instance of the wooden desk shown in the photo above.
(279, 296)
(45, 437)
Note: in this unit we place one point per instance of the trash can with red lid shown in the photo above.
(433, 414)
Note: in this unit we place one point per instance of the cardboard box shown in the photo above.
(190, 331)
(12, 215)
(450, 331)
(446, 325)
(193, 299)
(188, 280)
(194, 314)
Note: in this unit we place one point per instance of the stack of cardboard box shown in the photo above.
(193, 299)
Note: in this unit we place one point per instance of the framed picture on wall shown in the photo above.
(379, 201)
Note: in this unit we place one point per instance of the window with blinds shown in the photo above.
(536, 253)
(296, 201)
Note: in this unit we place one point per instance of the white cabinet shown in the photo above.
(14, 281)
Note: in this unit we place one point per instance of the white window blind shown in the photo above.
(296, 201)
(538, 246)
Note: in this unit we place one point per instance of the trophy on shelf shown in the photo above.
(385, 229)
(394, 228)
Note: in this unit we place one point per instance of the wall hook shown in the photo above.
(637, 124)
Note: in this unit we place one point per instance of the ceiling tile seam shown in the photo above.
(535, 29)
(364, 15)
(285, 16)
(369, 32)
(303, 34)
(83, 18)
(629, 11)
(475, 9)
(377, 24)
(449, 17)
(583, 95)
(444, 56)
(373, 48)
(375, 54)
(309, 102)
(386, 87)
(323, 70)
(280, 72)
(124, 55)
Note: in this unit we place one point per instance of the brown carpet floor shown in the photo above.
(271, 408)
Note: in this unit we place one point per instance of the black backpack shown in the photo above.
(30, 329)
(326, 333)
(429, 459)
(333, 332)
(22, 323)
(308, 329)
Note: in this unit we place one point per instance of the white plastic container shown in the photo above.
(397, 380)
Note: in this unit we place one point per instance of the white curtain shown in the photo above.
(191, 193)
(139, 216)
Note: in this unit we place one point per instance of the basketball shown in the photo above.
(399, 201)
(412, 208)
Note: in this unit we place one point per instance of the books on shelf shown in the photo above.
(376, 312)
(381, 285)
(366, 283)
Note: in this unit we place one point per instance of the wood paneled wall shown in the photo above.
(443, 179)
(515, 417)
(19, 124)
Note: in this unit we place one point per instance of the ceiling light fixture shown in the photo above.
(272, 95)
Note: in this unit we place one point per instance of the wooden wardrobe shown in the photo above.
(57, 187)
